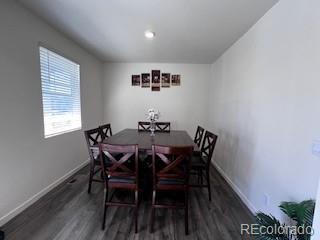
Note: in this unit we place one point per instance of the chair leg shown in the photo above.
(152, 211)
(101, 175)
(90, 176)
(186, 212)
(136, 210)
(208, 184)
(105, 208)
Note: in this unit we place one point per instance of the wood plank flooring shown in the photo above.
(69, 213)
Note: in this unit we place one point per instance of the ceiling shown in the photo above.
(187, 31)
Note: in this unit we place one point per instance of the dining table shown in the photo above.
(144, 140)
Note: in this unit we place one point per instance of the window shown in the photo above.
(60, 80)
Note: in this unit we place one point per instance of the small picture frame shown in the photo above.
(135, 80)
(165, 80)
(175, 80)
(145, 80)
(155, 76)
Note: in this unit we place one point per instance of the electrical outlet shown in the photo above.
(266, 199)
(316, 147)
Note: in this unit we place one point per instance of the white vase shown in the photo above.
(152, 128)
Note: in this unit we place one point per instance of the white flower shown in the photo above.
(153, 115)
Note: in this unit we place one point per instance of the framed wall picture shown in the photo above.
(135, 80)
(175, 80)
(145, 80)
(155, 83)
(165, 80)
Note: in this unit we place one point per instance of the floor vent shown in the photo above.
(72, 181)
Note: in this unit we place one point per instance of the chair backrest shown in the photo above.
(143, 126)
(106, 131)
(208, 145)
(171, 162)
(163, 126)
(198, 137)
(118, 156)
(93, 139)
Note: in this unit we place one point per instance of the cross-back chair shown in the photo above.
(143, 126)
(163, 126)
(171, 166)
(93, 138)
(106, 131)
(198, 137)
(201, 163)
(120, 171)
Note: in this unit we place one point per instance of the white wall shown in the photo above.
(185, 106)
(265, 106)
(28, 162)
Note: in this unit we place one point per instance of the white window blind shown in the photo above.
(60, 79)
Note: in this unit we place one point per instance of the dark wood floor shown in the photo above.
(69, 212)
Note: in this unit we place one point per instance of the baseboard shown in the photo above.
(6, 218)
(237, 190)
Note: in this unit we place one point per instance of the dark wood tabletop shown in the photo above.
(145, 141)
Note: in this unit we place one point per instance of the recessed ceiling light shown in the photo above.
(149, 34)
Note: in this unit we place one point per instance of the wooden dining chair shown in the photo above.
(198, 137)
(93, 138)
(200, 164)
(106, 131)
(143, 126)
(171, 166)
(120, 171)
(163, 126)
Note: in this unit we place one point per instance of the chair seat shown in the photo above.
(197, 162)
(114, 179)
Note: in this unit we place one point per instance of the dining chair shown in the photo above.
(106, 131)
(198, 137)
(143, 126)
(171, 166)
(120, 171)
(163, 126)
(93, 138)
(200, 164)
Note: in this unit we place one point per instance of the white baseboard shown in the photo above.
(237, 190)
(6, 218)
